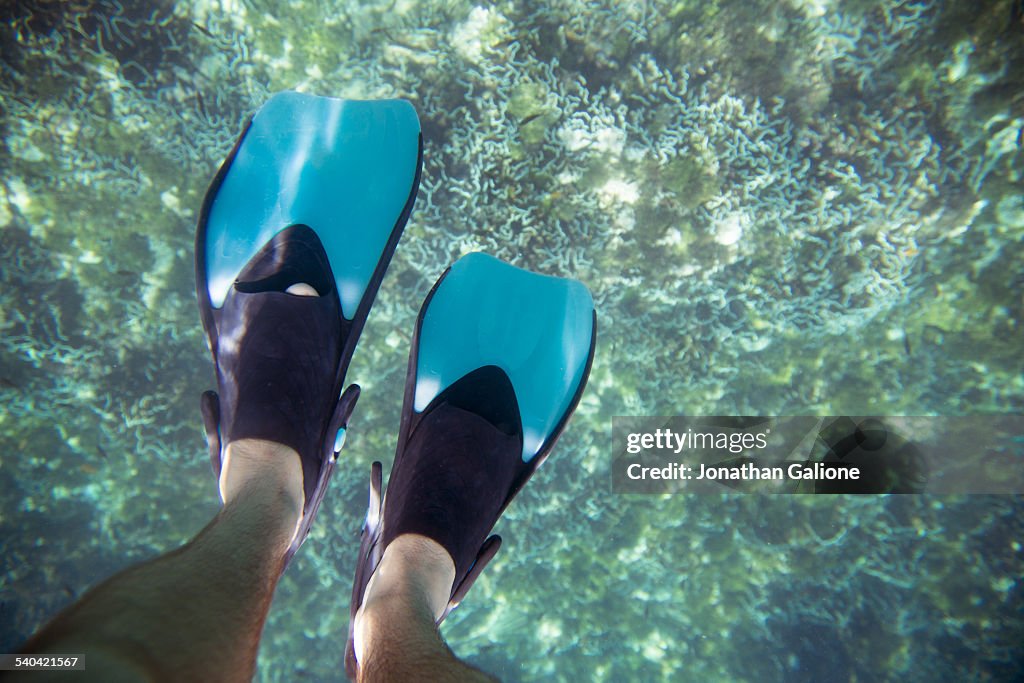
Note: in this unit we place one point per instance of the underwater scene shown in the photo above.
(781, 207)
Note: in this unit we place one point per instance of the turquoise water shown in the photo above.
(805, 207)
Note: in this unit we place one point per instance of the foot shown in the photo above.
(267, 468)
(422, 550)
(498, 363)
(279, 345)
(247, 461)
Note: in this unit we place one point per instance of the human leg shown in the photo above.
(286, 272)
(499, 360)
(195, 613)
(396, 636)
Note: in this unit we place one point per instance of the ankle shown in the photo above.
(269, 473)
(413, 581)
(413, 568)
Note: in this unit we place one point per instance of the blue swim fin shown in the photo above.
(499, 361)
(316, 192)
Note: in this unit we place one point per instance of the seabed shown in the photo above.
(806, 207)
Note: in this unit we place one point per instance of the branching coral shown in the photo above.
(803, 206)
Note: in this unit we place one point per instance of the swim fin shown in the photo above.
(499, 360)
(312, 200)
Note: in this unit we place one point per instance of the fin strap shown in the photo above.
(376, 485)
(342, 412)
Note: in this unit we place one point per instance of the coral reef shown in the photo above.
(807, 206)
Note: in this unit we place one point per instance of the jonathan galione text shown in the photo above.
(667, 440)
(812, 471)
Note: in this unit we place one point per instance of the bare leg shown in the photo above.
(195, 613)
(396, 637)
